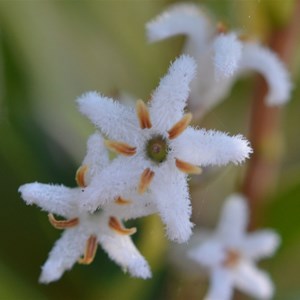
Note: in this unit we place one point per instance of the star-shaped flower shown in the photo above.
(157, 148)
(230, 254)
(84, 231)
(221, 55)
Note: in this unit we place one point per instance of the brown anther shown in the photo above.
(120, 148)
(80, 175)
(63, 224)
(187, 167)
(122, 201)
(222, 27)
(145, 180)
(90, 251)
(231, 259)
(143, 114)
(180, 126)
(117, 226)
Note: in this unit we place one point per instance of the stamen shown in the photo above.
(117, 226)
(122, 201)
(80, 174)
(143, 114)
(90, 251)
(187, 167)
(222, 27)
(145, 180)
(63, 224)
(180, 126)
(120, 148)
(232, 258)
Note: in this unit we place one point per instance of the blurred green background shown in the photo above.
(53, 51)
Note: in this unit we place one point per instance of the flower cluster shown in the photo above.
(222, 56)
(157, 150)
(229, 254)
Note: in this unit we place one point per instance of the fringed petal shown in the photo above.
(209, 147)
(56, 199)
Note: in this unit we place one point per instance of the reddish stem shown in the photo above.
(265, 126)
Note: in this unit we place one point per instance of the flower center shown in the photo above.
(232, 258)
(157, 149)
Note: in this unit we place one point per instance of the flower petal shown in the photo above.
(210, 253)
(169, 99)
(262, 243)
(201, 147)
(258, 58)
(221, 285)
(138, 206)
(121, 249)
(170, 191)
(252, 281)
(64, 254)
(115, 120)
(121, 176)
(96, 157)
(180, 19)
(56, 199)
(227, 54)
(233, 221)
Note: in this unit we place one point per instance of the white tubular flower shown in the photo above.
(157, 148)
(220, 55)
(230, 254)
(84, 231)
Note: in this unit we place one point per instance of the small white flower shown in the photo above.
(221, 57)
(230, 254)
(84, 231)
(158, 148)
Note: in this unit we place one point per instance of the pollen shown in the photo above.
(187, 167)
(80, 176)
(122, 201)
(63, 224)
(118, 227)
(90, 251)
(120, 147)
(180, 126)
(145, 180)
(143, 114)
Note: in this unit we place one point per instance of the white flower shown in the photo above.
(158, 148)
(221, 57)
(83, 231)
(230, 254)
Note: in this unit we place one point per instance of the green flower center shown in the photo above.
(157, 149)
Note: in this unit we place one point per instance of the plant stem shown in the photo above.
(265, 127)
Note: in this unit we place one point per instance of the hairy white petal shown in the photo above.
(262, 243)
(221, 285)
(258, 58)
(139, 206)
(121, 249)
(171, 195)
(169, 99)
(64, 254)
(121, 176)
(185, 19)
(115, 120)
(209, 253)
(56, 199)
(209, 147)
(233, 221)
(97, 157)
(227, 54)
(254, 282)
